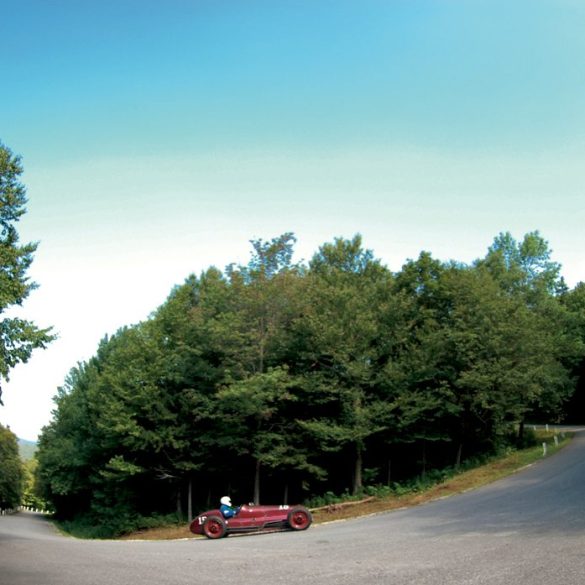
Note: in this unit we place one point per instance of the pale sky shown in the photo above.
(158, 138)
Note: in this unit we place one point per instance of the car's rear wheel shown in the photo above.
(299, 518)
(214, 527)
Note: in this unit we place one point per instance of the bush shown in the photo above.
(88, 526)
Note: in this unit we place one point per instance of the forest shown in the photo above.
(276, 381)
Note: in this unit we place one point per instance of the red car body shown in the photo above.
(251, 518)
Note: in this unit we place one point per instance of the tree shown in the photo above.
(140, 402)
(265, 295)
(423, 370)
(347, 289)
(574, 303)
(254, 423)
(264, 300)
(503, 355)
(68, 447)
(30, 497)
(18, 337)
(11, 470)
(524, 267)
(525, 272)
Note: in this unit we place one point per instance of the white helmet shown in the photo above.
(226, 501)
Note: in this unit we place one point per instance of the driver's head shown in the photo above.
(226, 501)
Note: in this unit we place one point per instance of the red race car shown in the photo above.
(251, 518)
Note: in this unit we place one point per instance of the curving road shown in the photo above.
(528, 529)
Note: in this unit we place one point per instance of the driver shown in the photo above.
(226, 508)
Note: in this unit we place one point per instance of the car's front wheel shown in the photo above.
(299, 518)
(214, 527)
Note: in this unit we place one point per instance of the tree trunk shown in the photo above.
(179, 505)
(285, 498)
(521, 433)
(190, 500)
(389, 476)
(262, 331)
(459, 454)
(424, 460)
(357, 476)
(257, 483)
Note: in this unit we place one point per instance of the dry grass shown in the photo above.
(163, 533)
(460, 483)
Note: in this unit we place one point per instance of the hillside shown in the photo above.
(27, 449)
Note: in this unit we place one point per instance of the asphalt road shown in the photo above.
(528, 529)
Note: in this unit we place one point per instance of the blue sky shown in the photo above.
(158, 138)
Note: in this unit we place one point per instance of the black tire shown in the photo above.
(299, 518)
(214, 527)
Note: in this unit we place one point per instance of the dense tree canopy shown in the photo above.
(276, 381)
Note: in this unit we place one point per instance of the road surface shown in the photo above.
(528, 529)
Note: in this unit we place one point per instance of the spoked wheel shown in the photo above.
(299, 518)
(214, 527)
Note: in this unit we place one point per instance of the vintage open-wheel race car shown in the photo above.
(251, 518)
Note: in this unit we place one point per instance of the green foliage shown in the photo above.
(18, 337)
(115, 523)
(341, 344)
(11, 470)
(276, 380)
(30, 497)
